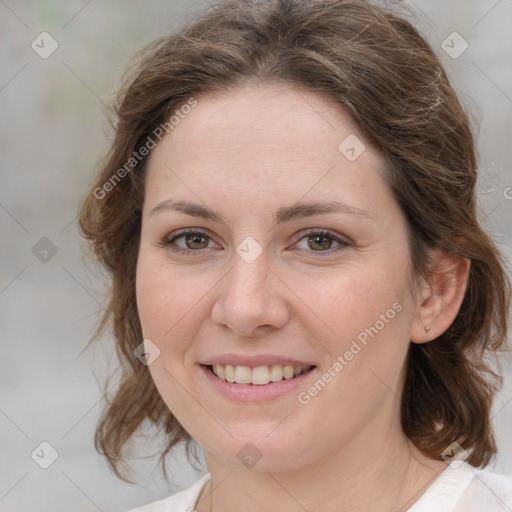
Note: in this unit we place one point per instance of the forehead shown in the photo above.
(261, 140)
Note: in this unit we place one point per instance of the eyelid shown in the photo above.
(167, 241)
(186, 231)
(340, 239)
(323, 231)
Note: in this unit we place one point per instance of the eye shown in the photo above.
(321, 241)
(187, 241)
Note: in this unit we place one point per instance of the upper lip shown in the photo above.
(254, 360)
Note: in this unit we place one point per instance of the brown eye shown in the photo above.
(319, 242)
(189, 241)
(196, 241)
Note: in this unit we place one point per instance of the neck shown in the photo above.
(383, 475)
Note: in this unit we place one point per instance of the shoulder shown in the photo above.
(467, 489)
(183, 501)
(487, 492)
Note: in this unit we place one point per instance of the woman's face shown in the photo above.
(294, 259)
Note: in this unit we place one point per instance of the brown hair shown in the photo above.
(377, 67)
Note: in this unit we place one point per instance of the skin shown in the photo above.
(246, 153)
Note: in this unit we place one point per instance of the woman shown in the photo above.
(299, 280)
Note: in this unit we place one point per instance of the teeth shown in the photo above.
(276, 373)
(229, 372)
(288, 372)
(220, 372)
(242, 375)
(260, 375)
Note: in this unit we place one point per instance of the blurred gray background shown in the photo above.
(53, 133)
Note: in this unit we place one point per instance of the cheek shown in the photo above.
(165, 297)
(169, 306)
(365, 319)
(363, 374)
(348, 301)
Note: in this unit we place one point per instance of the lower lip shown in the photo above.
(251, 392)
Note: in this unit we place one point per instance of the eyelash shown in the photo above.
(172, 237)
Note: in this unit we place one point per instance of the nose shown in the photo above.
(251, 299)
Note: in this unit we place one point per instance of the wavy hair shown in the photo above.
(378, 68)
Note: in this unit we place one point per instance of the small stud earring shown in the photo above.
(427, 328)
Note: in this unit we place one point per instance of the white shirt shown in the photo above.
(460, 489)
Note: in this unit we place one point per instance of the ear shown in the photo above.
(440, 297)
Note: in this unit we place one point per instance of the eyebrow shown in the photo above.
(285, 214)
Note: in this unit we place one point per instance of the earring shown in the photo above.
(427, 328)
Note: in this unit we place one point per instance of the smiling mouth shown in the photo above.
(258, 376)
